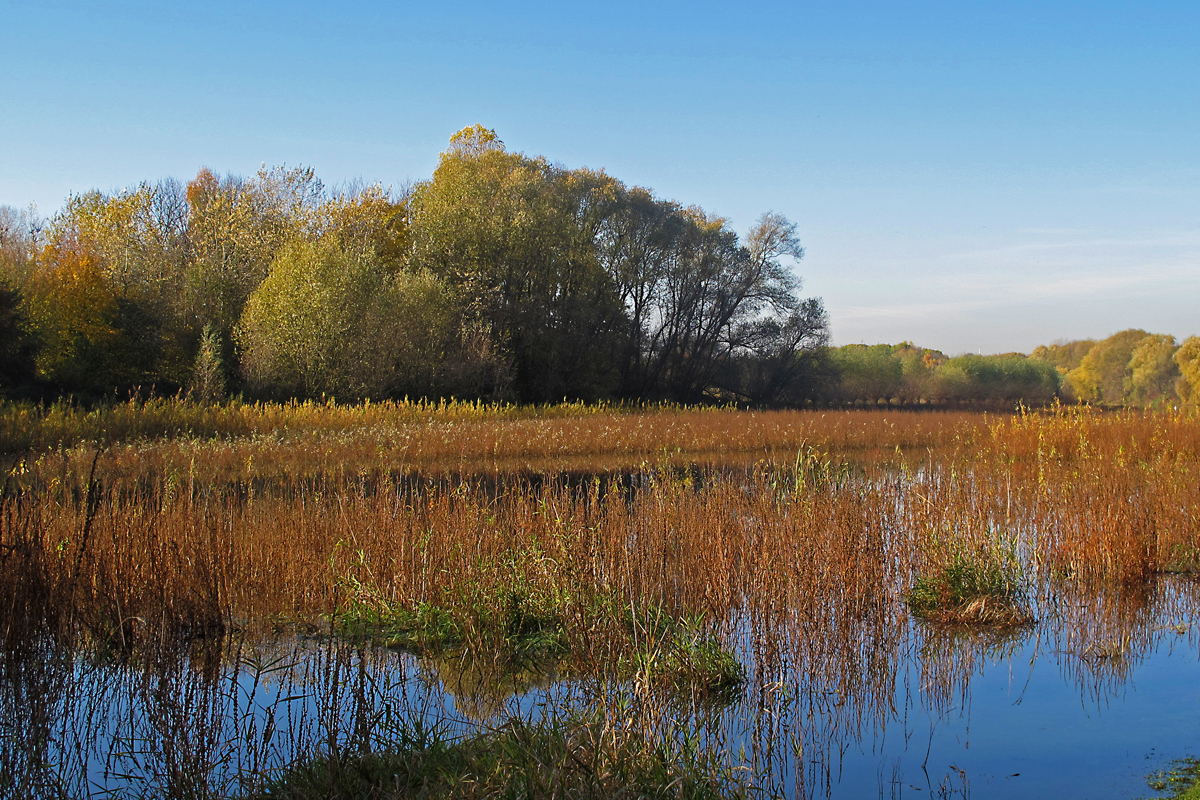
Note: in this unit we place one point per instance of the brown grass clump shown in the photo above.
(992, 611)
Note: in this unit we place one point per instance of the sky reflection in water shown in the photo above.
(1045, 711)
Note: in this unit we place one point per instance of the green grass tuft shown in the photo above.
(681, 654)
(582, 758)
(981, 587)
(1183, 560)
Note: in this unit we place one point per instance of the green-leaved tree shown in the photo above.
(337, 322)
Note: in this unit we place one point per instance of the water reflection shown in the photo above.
(952, 711)
(481, 688)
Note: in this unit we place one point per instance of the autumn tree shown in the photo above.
(516, 237)
(1103, 374)
(1004, 379)
(235, 228)
(636, 247)
(773, 330)
(1065, 356)
(366, 219)
(1187, 358)
(709, 317)
(722, 301)
(333, 321)
(918, 367)
(1152, 371)
(302, 331)
(594, 289)
(867, 373)
(136, 239)
(75, 315)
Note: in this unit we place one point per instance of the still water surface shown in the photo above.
(1055, 710)
(1035, 713)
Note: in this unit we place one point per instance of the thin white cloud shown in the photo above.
(1143, 277)
(1057, 231)
(1187, 241)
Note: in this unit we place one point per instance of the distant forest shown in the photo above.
(1130, 368)
(502, 277)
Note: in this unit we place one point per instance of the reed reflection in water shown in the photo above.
(221, 717)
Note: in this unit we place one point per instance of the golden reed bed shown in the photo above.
(792, 518)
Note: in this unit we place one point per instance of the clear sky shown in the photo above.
(966, 175)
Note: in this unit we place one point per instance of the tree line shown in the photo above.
(503, 276)
(1129, 368)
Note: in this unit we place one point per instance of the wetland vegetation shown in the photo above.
(290, 600)
(1181, 780)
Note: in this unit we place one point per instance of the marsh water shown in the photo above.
(1082, 704)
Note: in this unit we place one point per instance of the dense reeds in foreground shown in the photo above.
(642, 545)
(713, 512)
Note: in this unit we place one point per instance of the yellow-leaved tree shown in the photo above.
(1103, 374)
(1152, 371)
(338, 322)
(1187, 357)
(73, 311)
(517, 235)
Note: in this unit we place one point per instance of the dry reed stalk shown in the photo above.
(27, 428)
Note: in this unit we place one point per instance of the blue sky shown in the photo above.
(968, 176)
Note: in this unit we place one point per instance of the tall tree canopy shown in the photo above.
(1152, 371)
(1103, 374)
(501, 275)
(517, 236)
(593, 288)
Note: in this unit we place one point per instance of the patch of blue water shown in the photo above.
(1037, 715)
(1027, 727)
